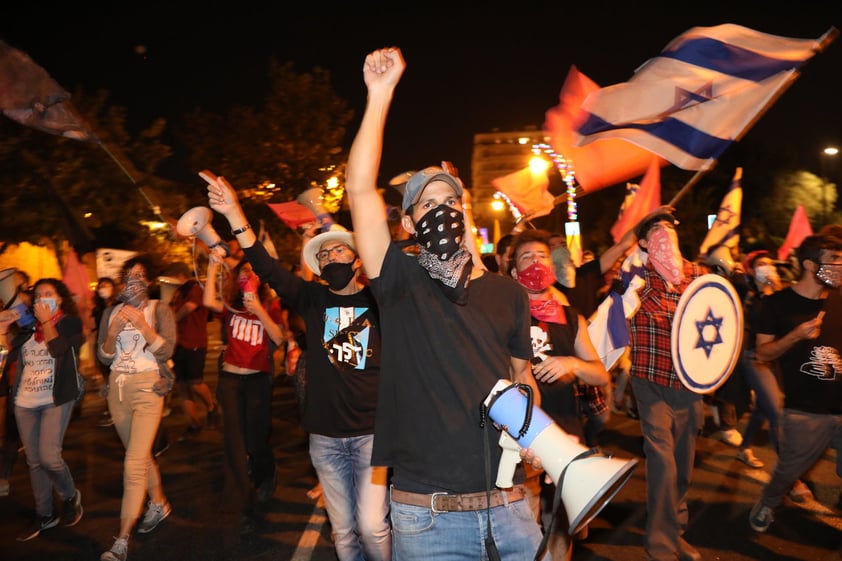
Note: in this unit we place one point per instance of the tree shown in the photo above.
(794, 188)
(43, 170)
(272, 153)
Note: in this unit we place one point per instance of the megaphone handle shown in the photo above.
(508, 460)
(224, 247)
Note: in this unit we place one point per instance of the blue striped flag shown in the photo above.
(704, 91)
(608, 326)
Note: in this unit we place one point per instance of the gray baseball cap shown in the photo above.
(419, 180)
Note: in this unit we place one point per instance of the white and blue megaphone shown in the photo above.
(587, 477)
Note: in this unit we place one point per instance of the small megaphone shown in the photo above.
(197, 222)
(313, 200)
(589, 478)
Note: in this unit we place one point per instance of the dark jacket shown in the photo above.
(68, 384)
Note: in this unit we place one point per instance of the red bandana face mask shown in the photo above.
(665, 256)
(536, 277)
(548, 310)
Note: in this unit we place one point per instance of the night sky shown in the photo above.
(471, 68)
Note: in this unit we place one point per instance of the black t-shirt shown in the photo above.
(558, 399)
(440, 362)
(343, 349)
(811, 370)
(585, 295)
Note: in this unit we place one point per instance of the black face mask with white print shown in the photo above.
(441, 231)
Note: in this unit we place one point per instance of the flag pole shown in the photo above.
(693, 180)
(155, 208)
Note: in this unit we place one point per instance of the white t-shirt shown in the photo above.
(37, 376)
(131, 348)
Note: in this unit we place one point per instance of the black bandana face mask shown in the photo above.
(337, 275)
(441, 231)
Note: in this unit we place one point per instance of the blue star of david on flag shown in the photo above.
(709, 321)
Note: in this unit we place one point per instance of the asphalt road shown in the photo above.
(294, 527)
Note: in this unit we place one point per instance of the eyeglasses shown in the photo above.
(837, 264)
(339, 250)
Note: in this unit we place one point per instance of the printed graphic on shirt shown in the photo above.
(824, 363)
(346, 337)
(129, 344)
(38, 366)
(248, 330)
(540, 342)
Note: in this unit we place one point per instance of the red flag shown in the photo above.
(599, 164)
(29, 96)
(75, 276)
(640, 200)
(528, 191)
(799, 228)
(293, 214)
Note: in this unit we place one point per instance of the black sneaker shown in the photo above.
(212, 421)
(71, 511)
(267, 488)
(37, 526)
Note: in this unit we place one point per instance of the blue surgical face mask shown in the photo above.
(51, 302)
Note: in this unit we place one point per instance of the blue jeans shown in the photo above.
(768, 396)
(421, 535)
(356, 496)
(42, 435)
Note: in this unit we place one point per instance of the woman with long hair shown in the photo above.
(46, 386)
(251, 320)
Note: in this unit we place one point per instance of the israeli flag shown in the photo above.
(706, 88)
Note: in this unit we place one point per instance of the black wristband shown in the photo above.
(247, 226)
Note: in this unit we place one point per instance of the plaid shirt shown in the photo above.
(651, 327)
(591, 400)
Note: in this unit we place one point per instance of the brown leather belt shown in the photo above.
(447, 502)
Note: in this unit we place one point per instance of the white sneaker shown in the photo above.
(118, 552)
(732, 437)
(747, 457)
(155, 514)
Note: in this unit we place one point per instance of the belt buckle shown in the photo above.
(433, 503)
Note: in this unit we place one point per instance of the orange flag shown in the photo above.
(640, 200)
(599, 164)
(293, 213)
(799, 228)
(528, 191)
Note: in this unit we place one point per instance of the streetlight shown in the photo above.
(828, 152)
(497, 206)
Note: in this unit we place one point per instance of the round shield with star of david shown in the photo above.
(707, 333)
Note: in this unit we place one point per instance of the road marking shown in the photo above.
(310, 536)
